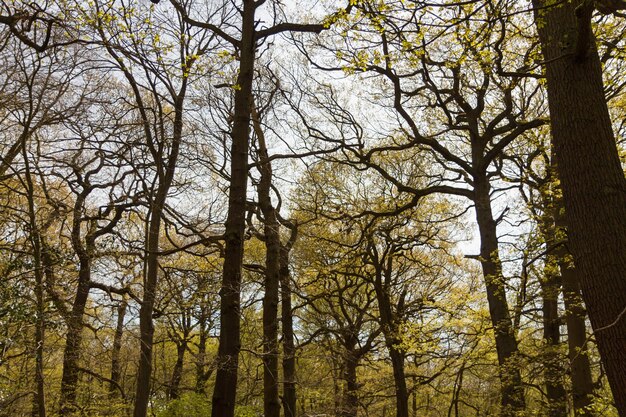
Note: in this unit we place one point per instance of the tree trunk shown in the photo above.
(350, 401)
(512, 390)
(39, 399)
(591, 177)
(116, 368)
(225, 392)
(552, 368)
(271, 231)
(582, 382)
(177, 373)
(71, 354)
(392, 340)
(201, 374)
(289, 349)
(146, 325)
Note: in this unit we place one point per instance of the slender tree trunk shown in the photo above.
(116, 368)
(592, 179)
(225, 392)
(201, 374)
(146, 325)
(582, 382)
(271, 231)
(73, 340)
(173, 391)
(392, 340)
(553, 371)
(289, 349)
(39, 399)
(512, 390)
(552, 368)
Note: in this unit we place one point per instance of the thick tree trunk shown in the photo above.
(594, 188)
(116, 367)
(289, 349)
(225, 392)
(512, 390)
(271, 231)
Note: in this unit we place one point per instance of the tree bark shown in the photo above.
(202, 375)
(289, 349)
(392, 340)
(552, 369)
(512, 390)
(73, 340)
(116, 367)
(271, 231)
(225, 392)
(146, 325)
(350, 401)
(39, 399)
(173, 391)
(582, 382)
(591, 177)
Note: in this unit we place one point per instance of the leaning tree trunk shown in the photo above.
(225, 392)
(594, 188)
(512, 389)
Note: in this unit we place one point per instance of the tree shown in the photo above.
(590, 172)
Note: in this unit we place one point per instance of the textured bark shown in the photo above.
(591, 177)
(512, 390)
(116, 367)
(224, 394)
